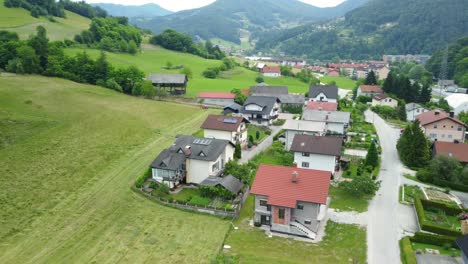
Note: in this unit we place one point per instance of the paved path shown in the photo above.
(249, 154)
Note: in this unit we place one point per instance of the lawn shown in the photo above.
(200, 133)
(411, 192)
(20, 21)
(71, 155)
(252, 132)
(153, 58)
(440, 218)
(345, 202)
(341, 82)
(250, 245)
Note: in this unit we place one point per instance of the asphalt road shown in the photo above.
(384, 229)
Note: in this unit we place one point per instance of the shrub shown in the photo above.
(419, 211)
(406, 251)
(440, 230)
(257, 224)
(276, 136)
(279, 122)
(432, 239)
(163, 188)
(360, 186)
(198, 200)
(268, 132)
(142, 179)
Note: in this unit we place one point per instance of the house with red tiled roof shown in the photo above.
(440, 126)
(458, 151)
(271, 71)
(291, 200)
(384, 100)
(324, 106)
(369, 90)
(230, 128)
(219, 99)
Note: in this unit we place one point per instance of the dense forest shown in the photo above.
(457, 62)
(379, 27)
(53, 8)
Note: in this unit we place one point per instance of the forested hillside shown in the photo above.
(147, 10)
(379, 27)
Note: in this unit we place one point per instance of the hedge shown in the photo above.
(454, 186)
(418, 205)
(432, 239)
(142, 179)
(449, 210)
(419, 211)
(406, 251)
(440, 230)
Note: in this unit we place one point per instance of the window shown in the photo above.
(443, 135)
(305, 164)
(433, 135)
(300, 207)
(215, 167)
(435, 126)
(202, 154)
(307, 222)
(449, 136)
(451, 127)
(459, 128)
(180, 151)
(281, 213)
(305, 154)
(263, 203)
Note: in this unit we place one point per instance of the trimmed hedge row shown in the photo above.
(419, 211)
(454, 186)
(418, 205)
(450, 210)
(432, 239)
(406, 251)
(440, 230)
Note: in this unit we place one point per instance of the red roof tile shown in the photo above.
(325, 106)
(217, 95)
(371, 89)
(271, 69)
(276, 183)
(458, 151)
(434, 116)
(223, 123)
(380, 97)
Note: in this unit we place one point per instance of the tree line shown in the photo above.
(52, 8)
(402, 87)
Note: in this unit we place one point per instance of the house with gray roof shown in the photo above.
(323, 93)
(294, 127)
(175, 84)
(228, 182)
(191, 160)
(413, 110)
(261, 110)
(337, 122)
(232, 109)
(281, 92)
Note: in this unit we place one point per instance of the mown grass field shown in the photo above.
(152, 59)
(69, 154)
(341, 82)
(20, 21)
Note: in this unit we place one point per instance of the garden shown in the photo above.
(438, 217)
(408, 193)
(256, 134)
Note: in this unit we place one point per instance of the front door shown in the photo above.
(265, 220)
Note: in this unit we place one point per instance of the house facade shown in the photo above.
(369, 90)
(413, 110)
(458, 102)
(336, 122)
(191, 160)
(301, 127)
(290, 200)
(384, 100)
(229, 128)
(440, 126)
(322, 93)
(218, 99)
(261, 110)
(317, 152)
(271, 71)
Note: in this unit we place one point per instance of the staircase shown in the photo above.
(303, 229)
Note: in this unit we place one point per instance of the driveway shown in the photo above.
(437, 259)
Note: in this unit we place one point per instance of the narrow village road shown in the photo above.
(384, 228)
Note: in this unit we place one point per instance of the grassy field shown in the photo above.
(251, 245)
(341, 82)
(152, 59)
(345, 202)
(20, 21)
(69, 155)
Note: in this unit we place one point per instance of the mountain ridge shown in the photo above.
(130, 11)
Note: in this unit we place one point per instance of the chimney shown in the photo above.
(294, 165)
(436, 112)
(294, 177)
(187, 151)
(452, 114)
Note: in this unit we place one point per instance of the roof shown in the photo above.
(330, 91)
(302, 125)
(217, 95)
(326, 116)
(325, 106)
(371, 89)
(456, 100)
(189, 147)
(233, 107)
(326, 145)
(268, 90)
(229, 182)
(434, 116)
(224, 123)
(276, 183)
(462, 243)
(292, 99)
(266, 102)
(458, 151)
(380, 97)
(167, 78)
(271, 69)
(412, 106)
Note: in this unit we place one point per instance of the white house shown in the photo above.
(458, 102)
(271, 71)
(322, 93)
(219, 99)
(317, 153)
(260, 110)
(301, 127)
(229, 128)
(336, 122)
(413, 110)
(384, 100)
(191, 160)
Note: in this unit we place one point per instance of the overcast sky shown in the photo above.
(176, 5)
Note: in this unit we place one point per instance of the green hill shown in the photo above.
(146, 10)
(152, 59)
(69, 154)
(20, 21)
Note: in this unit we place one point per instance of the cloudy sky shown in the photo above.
(176, 5)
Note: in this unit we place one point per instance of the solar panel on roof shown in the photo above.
(230, 120)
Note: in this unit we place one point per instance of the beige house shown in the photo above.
(369, 90)
(229, 128)
(440, 126)
(383, 72)
(384, 100)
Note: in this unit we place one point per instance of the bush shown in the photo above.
(276, 136)
(257, 224)
(449, 210)
(142, 179)
(268, 132)
(431, 239)
(440, 230)
(198, 200)
(406, 251)
(360, 186)
(163, 188)
(279, 122)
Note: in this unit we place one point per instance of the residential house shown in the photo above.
(323, 93)
(271, 71)
(317, 153)
(232, 109)
(324, 106)
(262, 110)
(294, 127)
(291, 200)
(369, 90)
(458, 151)
(218, 99)
(336, 122)
(382, 72)
(191, 160)
(174, 84)
(412, 110)
(229, 182)
(361, 73)
(440, 126)
(229, 128)
(333, 73)
(384, 100)
(279, 91)
(458, 103)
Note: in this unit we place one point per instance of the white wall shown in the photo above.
(411, 115)
(336, 127)
(269, 74)
(197, 170)
(385, 102)
(253, 107)
(461, 108)
(324, 98)
(316, 161)
(218, 134)
(217, 101)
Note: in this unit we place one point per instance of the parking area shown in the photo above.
(437, 259)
